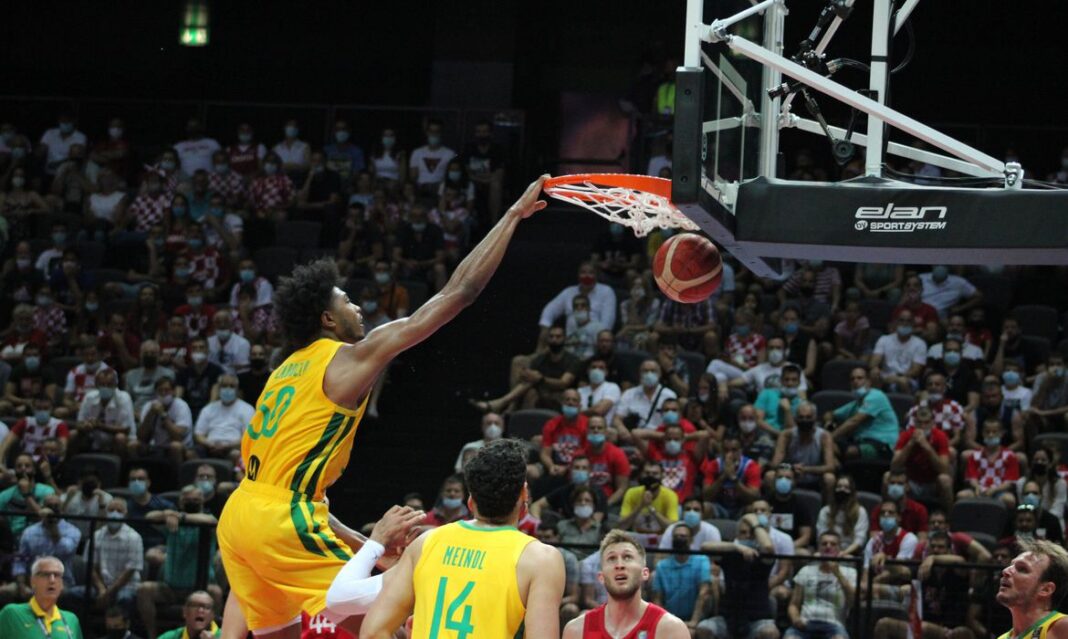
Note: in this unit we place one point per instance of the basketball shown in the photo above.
(688, 268)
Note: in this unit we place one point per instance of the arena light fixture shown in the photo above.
(195, 24)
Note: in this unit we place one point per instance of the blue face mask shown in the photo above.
(32, 362)
(673, 447)
(904, 330)
(691, 518)
(418, 227)
(895, 491)
(1011, 378)
(888, 524)
(748, 543)
(580, 476)
(223, 334)
(206, 486)
(59, 237)
(42, 416)
(991, 442)
(789, 392)
(178, 211)
(742, 331)
(570, 412)
(783, 485)
(106, 393)
(1031, 499)
(860, 392)
(671, 417)
(596, 439)
(455, 175)
(939, 274)
(228, 395)
(791, 328)
(217, 212)
(763, 520)
(247, 275)
(433, 140)
(952, 358)
(196, 243)
(650, 379)
(451, 503)
(138, 487)
(596, 376)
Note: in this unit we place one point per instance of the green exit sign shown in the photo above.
(194, 37)
(194, 31)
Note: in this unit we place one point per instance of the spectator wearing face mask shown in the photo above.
(429, 163)
(922, 313)
(757, 378)
(586, 524)
(1048, 525)
(143, 501)
(1043, 486)
(868, 425)
(683, 582)
(451, 504)
(293, 151)
(26, 495)
(271, 192)
(30, 432)
(56, 143)
(808, 448)
(563, 436)
(195, 152)
(197, 314)
(700, 531)
(732, 480)
(677, 451)
(221, 423)
(949, 416)
(119, 559)
(1049, 399)
(822, 594)
(638, 314)
(224, 181)
(492, 429)
(899, 358)
(598, 396)
(912, 514)
(892, 541)
(962, 385)
(86, 498)
(197, 381)
(246, 153)
(561, 499)
(141, 382)
(787, 513)
(106, 418)
(947, 293)
(580, 329)
(26, 381)
(845, 516)
(642, 406)
(1015, 395)
(923, 454)
(52, 536)
(342, 155)
(166, 425)
(178, 574)
(50, 319)
(650, 507)
(602, 302)
(226, 348)
(776, 404)
(252, 381)
(248, 276)
(609, 466)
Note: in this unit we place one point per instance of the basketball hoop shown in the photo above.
(642, 203)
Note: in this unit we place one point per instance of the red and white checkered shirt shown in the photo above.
(80, 380)
(992, 472)
(207, 267)
(51, 321)
(948, 415)
(748, 347)
(31, 434)
(271, 192)
(196, 321)
(230, 185)
(149, 211)
(263, 320)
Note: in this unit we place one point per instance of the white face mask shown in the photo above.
(584, 512)
(747, 425)
(775, 356)
(493, 431)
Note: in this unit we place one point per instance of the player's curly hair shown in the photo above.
(495, 477)
(300, 300)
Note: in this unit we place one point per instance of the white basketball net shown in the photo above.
(639, 211)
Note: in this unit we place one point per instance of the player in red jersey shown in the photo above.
(625, 615)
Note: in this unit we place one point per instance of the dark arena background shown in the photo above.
(516, 90)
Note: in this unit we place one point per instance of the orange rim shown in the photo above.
(660, 187)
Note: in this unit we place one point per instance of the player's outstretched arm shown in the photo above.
(397, 598)
(545, 566)
(369, 356)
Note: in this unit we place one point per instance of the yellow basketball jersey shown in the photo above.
(299, 440)
(1039, 630)
(465, 583)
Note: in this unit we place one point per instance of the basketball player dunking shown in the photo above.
(625, 615)
(479, 579)
(1033, 586)
(280, 546)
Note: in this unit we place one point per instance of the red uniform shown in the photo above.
(593, 624)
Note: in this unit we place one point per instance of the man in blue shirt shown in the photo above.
(683, 583)
(51, 536)
(866, 427)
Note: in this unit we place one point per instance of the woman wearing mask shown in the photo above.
(637, 314)
(585, 526)
(706, 408)
(104, 208)
(294, 153)
(147, 319)
(1052, 489)
(456, 177)
(389, 164)
(845, 516)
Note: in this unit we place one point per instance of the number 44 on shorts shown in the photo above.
(462, 627)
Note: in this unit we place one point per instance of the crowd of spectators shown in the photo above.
(862, 412)
(138, 332)
(867, 412)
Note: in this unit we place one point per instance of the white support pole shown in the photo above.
(903, 14)
(695, 31)
(900, 150)
(877, 82)
(774, 31)
(720, 26)
(852, 98)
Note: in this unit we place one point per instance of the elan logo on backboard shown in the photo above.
(900, 219)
